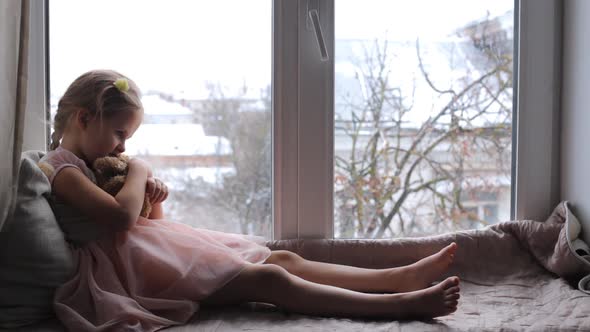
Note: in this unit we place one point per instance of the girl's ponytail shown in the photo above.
(55, 138)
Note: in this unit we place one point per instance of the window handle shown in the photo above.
(315, 21)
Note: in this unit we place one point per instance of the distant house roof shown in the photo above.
(155, 105)
(176, 140)
(478, 182)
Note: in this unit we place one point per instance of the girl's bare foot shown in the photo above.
(438, 300)
(427, 270)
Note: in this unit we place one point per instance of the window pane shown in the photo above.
(204, 68)
(423, 116)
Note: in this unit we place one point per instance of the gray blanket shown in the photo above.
(516, 276)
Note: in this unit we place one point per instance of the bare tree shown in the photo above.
(401, 178)
(246, 123)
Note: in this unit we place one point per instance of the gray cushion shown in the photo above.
(34, 257)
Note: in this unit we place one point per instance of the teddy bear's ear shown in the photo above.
(119, 164)
(100, 169)
(125, 158)
(100, 165)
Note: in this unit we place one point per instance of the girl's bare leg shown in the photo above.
(399, 279)
(273, 284)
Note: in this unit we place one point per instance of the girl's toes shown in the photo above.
(451, 303)
(450, 282)
(451, 248)
(455, 281)
(452, 290)
(452, 297)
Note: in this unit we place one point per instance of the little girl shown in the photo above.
(143, 274)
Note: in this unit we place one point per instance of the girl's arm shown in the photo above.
(157, 212)
(120, 212)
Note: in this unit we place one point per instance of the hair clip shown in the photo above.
(122, 84)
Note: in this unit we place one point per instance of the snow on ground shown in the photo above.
(177, 178)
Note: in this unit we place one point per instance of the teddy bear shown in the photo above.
(110, 173)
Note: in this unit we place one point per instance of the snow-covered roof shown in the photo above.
(154, 104)
(176, 140)
(484, 181)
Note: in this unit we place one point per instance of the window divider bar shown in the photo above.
(316, 125)
(285, 108)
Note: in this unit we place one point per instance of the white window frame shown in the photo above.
(303, 187)
(303, 112)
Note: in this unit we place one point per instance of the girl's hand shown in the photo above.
(156, 190)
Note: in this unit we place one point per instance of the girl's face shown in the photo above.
(108, 137)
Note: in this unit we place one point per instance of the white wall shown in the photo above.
(35, 129)
(575, 102)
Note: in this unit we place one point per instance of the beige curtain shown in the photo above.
(14, 37)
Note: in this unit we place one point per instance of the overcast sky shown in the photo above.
(177, 45)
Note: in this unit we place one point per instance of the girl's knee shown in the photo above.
(284, 258)
(264, 283)
(271, 276)
(269, 272)
(256, 282)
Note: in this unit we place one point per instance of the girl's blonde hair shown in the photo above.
(96, 92)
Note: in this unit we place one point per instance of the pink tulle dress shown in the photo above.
(144, 279)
